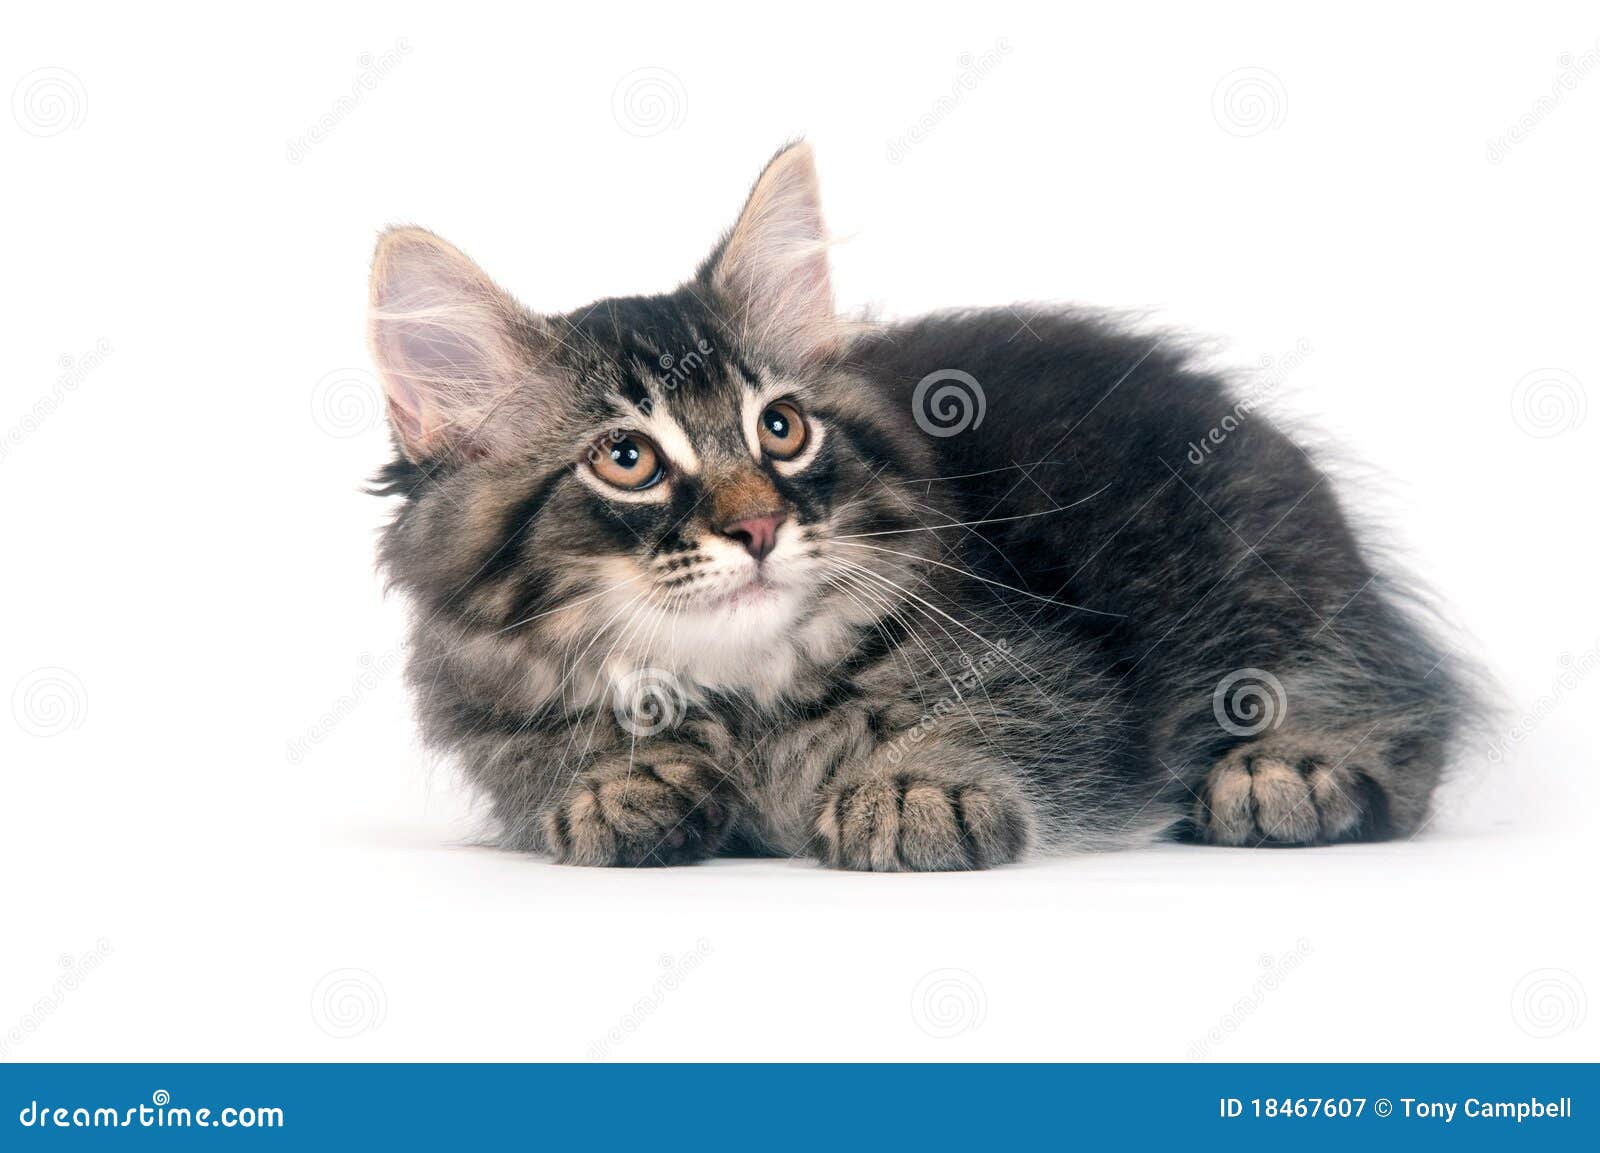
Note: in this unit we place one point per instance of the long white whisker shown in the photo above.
(972, 523)
(974, 576)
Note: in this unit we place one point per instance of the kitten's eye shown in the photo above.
(626, 460)
(781, 430)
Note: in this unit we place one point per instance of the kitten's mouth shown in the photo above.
(757, 589)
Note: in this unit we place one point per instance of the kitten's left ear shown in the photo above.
(772, 268)
(463, 364)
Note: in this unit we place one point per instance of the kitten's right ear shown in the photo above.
(451, 346)
(772, 268)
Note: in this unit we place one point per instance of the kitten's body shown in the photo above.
(1031, 633)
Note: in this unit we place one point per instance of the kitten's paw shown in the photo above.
(664, 813)
(1288, 792)
(920, 824)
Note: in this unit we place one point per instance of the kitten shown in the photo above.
(719, 572)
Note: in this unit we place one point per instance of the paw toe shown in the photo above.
(930, 835)
(1283, 806)
(1227, 813)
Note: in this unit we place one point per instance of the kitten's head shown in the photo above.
(672, 470)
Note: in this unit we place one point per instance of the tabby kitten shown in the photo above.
(718, 572)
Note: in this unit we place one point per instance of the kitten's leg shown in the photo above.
(655, 810)
(922, 816)
(1294, 790)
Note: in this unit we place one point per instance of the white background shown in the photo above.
(213, 805)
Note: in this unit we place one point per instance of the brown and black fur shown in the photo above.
(1005, 640)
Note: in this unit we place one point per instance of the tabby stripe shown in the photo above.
(514, 531)
(874, 446)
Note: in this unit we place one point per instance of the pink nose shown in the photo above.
(757, 533)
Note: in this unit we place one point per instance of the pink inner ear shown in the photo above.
(439, 334)
(407, 421)
(775, 264)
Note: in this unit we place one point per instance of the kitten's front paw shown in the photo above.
(664, 813)
(908, 822)
(1284, 791)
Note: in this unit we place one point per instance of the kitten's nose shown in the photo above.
(757, 533)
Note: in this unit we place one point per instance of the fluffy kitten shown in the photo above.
(717, 572)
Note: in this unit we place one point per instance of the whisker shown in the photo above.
(998, 584)
(561, 607)
(973, 523)
(968, 475)
(959, 696)
(1021, 668)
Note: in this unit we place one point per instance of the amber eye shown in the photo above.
(626, 460)
(781, 430)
